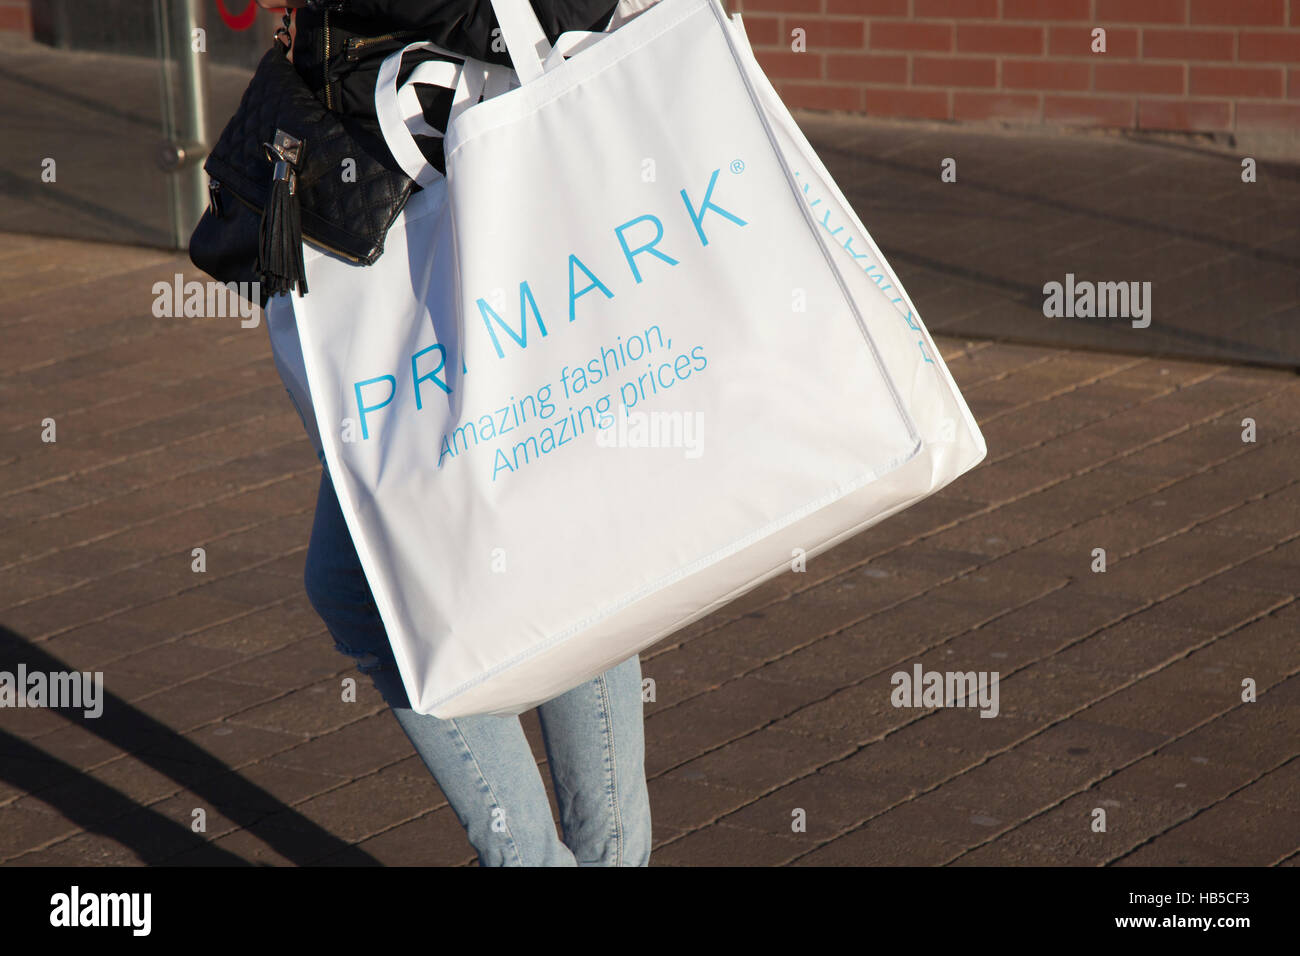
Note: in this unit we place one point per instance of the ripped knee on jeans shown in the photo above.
(367, 661)
(382, 671)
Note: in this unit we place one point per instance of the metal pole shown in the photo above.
(192, 123)
(167, 158)
(185, 118)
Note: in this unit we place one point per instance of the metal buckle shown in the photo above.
(284, 147)
(286, 151)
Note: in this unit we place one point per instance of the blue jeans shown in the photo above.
(594, 736)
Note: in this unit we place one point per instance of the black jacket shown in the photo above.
(339, 53)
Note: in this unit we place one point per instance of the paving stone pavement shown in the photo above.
(1216, 259)
(1120, 691)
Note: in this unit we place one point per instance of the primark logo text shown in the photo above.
(74, 909)
(58, 689)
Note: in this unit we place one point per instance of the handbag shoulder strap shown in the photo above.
(401, 117)
(525, 40)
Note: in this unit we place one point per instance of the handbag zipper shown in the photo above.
(354, 45)
(329, 99)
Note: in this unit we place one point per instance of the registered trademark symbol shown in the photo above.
(737, 166)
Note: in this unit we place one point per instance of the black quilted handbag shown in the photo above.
(279, 175)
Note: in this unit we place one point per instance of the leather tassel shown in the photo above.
(279, 256)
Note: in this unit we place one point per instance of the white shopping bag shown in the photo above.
(630, 357)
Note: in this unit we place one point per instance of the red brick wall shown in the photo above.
(16, 17)
(1209, 65)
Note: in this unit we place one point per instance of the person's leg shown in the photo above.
(595, 745)
(489, 775)
(483, 764)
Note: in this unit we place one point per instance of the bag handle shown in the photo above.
(401, 116)
(525, 40)
(567, 44)
(523, 23)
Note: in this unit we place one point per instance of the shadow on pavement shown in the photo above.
(99, 809)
